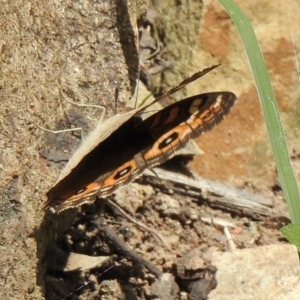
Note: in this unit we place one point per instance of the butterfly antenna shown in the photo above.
(184, 83)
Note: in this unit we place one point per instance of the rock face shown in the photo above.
(51, 52)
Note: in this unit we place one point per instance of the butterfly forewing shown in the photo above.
(173, 126)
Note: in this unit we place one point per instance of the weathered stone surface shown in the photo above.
(51, 51)
(269, 272)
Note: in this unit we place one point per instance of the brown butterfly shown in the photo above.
(122, 147)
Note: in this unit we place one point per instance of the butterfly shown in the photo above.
(122, 147)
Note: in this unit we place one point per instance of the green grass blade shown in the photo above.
(269, 107)
(292, 233)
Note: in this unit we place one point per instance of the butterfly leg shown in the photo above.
(58, 131)
(103, 112)
(102, 108)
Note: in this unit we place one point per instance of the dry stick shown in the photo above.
(216, 194)
(141, 225)
(121, 247)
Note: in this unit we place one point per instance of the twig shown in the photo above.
(121, 247)
(216, 194)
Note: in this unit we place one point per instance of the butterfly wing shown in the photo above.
(94, 160)
(183, 120)
(168, 130)
(119, 150)
(155, 140)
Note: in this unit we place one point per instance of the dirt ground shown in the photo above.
(183, 224)
(52, 53)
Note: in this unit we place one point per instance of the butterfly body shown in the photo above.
(120, 148)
